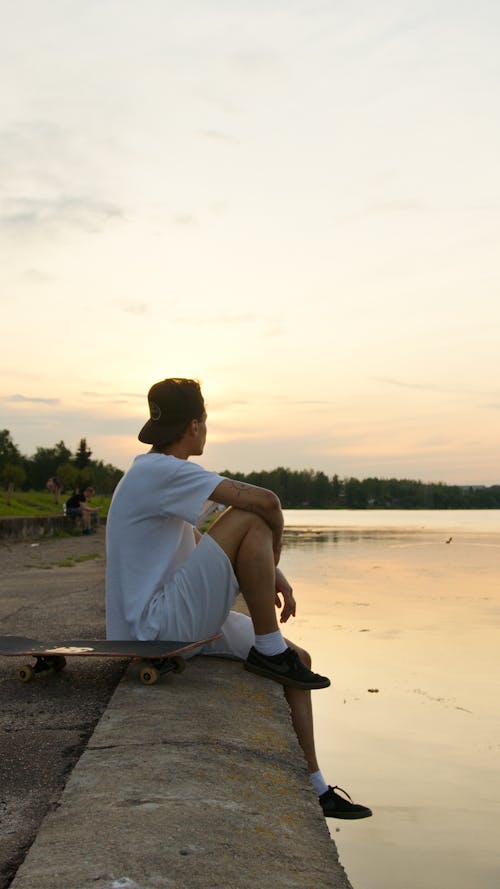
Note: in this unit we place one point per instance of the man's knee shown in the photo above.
(236, 523)
(232, 528)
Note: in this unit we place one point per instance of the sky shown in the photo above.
(296, 203)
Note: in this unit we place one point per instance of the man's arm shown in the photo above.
(251, 498)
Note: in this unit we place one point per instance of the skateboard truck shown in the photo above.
(151, 671)
(42, 665)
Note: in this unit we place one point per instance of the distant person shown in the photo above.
(54, 486)
(78, 507)
(58, 487)
(164, 580)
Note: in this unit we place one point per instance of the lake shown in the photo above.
(402, 610)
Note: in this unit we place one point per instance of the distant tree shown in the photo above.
(12, 472)
(336, 490)
(322, 490)
(9, 452)
(13, 475)
(355, 495)
(44, 465)
(83, 455)
(68, 475)
(103, 476)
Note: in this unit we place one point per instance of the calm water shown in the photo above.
(406, 622)
(480, 520)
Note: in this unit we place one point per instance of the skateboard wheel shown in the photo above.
(179, 664)
(25, 673)
(149, 675)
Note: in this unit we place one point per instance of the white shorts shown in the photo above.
(197, 602)
(238, 636)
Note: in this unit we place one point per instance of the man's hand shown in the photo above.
(289, 607)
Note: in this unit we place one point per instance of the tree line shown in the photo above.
(297, 489)
(57, 464)
(308, 489)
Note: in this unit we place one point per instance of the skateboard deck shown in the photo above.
(157, 658)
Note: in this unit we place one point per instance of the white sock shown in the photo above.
(270, 643)
(318, 782)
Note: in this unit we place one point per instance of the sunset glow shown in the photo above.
(295, 203)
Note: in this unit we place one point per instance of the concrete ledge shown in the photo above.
(33, 527)
(195, 783)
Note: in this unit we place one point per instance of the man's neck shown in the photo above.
(174, 450)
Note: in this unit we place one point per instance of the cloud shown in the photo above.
(398, 206)
(24, 213)
(274, 328)
(6, 371)
(256, 61)
(448, 390)
(40, 163)
(402, 384)
(217, 136)
(217, 320)
(107, 399)
(92, 393)
(27, 399)
(112, 397)
(136, 308)
(71, 424)
(270, 328)
(185, 219)
(32, 150)
(36, 276)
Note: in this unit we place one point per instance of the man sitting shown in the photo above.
(166, 581)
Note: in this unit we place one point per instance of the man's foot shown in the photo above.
(285, 668)
(335, 806)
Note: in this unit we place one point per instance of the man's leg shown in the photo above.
(247, 541)
(333, 805)
(237, 638)
(301, 713)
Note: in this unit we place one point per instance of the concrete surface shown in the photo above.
(195, 782)
(54, 588)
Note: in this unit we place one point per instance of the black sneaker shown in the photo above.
(286, 668)
(335, 806)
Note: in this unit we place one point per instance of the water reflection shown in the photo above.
(295, 536)
(403, 612)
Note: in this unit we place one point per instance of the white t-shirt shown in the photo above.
(149, 535)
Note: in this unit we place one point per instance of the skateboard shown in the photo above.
(156, 658)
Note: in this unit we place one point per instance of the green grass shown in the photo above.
(71, 561)
(41, 503)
